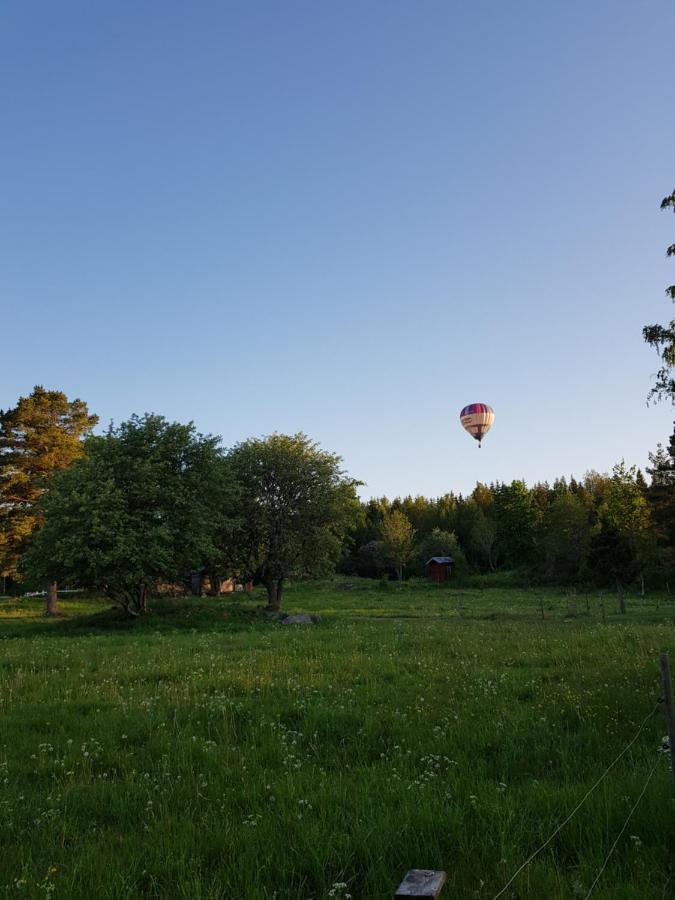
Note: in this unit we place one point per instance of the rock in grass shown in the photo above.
(300, 619)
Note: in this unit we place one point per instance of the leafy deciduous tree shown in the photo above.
(398, 541)
(369, 559)
(661, 496)
(442, 543)
(566, 541)
(296, 504)
(625, 514)
(143, 504)
(515, 517)
(662, 337)
(483, 538)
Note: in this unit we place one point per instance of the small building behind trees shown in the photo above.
(200, 584)
(440, 567)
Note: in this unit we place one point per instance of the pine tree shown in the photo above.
(41, 435)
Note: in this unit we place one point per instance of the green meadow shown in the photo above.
(207, 752)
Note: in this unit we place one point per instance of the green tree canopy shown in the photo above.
(296, 504)
(566, 537)
(662, 337)
(397, 541)
(144, 504)
(442, 543)
(481, 538)
(625, 542)
(661, 496)
(516, 521)
(41, 435)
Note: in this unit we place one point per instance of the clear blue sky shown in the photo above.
(346, 218)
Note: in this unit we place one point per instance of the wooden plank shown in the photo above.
(421, 884)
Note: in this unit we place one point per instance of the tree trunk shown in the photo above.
(399, 573)
(142, 599)
(272, 586)
(51, 603)
(216, 582)
(134, 601)
(622, 598)
(642, 584)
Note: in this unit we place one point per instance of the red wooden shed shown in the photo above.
(440, 567)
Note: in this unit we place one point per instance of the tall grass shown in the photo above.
(206, 753)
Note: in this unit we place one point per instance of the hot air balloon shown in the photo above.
(477, 418)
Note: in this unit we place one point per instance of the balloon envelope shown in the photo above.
(477, 418)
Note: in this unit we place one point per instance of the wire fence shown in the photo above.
(588, 793)
(623, 828)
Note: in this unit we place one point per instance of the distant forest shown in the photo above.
(606, 529)
(151, 502)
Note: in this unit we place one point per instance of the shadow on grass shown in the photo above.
(166, 614)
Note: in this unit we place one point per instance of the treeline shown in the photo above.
(151, 501)
(615, 528)
(608, 529)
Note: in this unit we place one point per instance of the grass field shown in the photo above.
(208, 753)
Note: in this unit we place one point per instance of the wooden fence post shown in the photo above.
(572, 604)
(622, 597)
(667, 686)
(421, 884)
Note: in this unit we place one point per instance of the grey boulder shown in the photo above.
(300, 619)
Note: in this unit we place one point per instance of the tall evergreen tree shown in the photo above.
(41, 435)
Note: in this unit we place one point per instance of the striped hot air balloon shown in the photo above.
(477, 419)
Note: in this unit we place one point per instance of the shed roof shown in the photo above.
(443, 560)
